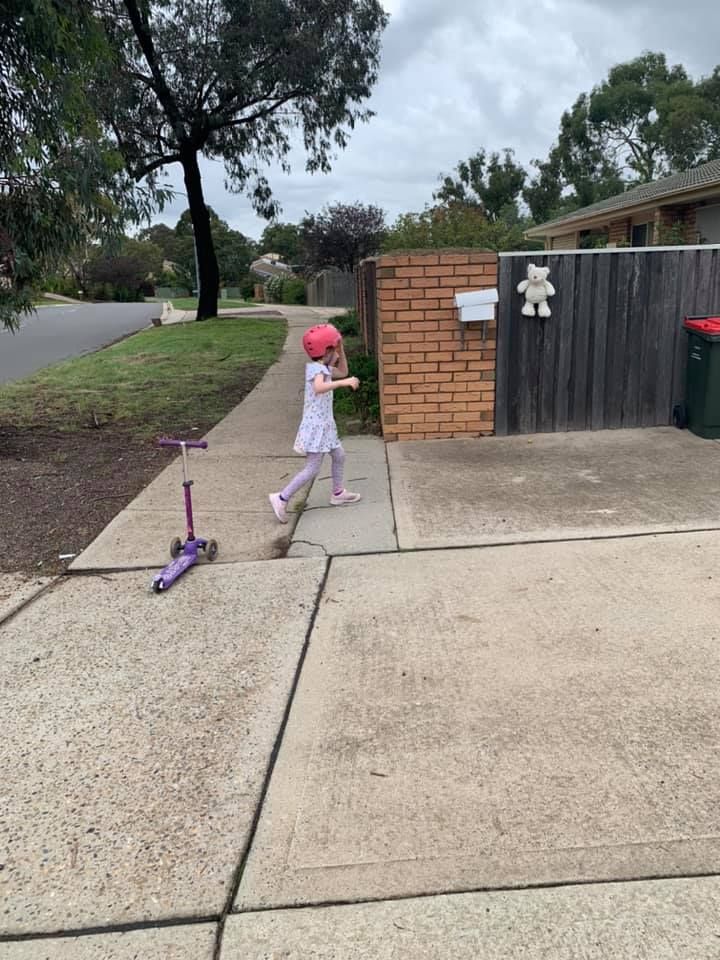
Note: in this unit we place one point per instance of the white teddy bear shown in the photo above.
(537, 288)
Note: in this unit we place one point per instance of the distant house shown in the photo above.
(269, 265)
(682, 209)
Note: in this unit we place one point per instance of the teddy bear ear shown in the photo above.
(531, 266)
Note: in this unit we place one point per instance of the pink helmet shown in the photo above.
(318, 339)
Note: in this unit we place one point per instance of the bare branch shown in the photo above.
(143, 171)
(142, 32)
(259, 114)
(141, 78)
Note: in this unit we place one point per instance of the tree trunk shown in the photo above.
(207, 267)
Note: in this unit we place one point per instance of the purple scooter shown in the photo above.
(184, 555)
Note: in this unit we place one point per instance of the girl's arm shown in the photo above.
(341, 365)
(321, 385)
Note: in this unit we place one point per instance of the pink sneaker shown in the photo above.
(341, 499)
(279, 507)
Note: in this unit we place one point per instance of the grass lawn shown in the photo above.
(47, 302)
(158, 381)
(190, 303)
(77, 439)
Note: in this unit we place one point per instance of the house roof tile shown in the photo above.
(706, 175)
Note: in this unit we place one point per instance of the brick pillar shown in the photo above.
(676, 225)
(431, 387)
(690, 223)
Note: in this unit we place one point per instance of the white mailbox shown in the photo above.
(477, 306)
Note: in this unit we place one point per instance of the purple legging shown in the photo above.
(310, 471)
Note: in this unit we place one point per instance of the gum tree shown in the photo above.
(61, 180)
(492, 183)
(241, 81)
(645, 120)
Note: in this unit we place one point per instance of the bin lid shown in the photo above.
(709, 325)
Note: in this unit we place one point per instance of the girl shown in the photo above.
(318, 434)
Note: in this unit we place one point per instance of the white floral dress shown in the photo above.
(317, 432)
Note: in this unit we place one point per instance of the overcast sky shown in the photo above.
(458, 75)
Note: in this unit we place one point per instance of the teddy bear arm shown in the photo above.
(523, 285)
(549, 289)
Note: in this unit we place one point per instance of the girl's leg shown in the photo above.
(340, 496)
(338, 468)
(308, 472)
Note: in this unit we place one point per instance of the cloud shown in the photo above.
(459, 75)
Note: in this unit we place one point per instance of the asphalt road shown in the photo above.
(68, 330)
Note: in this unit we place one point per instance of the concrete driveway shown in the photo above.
(503, 751)
(562, 486)
(538, 714)
(519, 716)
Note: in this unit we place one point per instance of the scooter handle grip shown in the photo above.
(202, 444)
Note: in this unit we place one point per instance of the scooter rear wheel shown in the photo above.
(176, 548)
(211, 550)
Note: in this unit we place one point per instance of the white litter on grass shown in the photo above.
(67, 556)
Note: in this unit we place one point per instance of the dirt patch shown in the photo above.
(59, 490)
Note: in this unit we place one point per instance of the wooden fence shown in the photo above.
(331, 288)
(367, 307)
(613, 353)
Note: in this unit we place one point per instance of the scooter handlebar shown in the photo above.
(202, 444)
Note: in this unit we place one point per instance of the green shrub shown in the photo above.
(247, 288)
(347, 323)
(293, 291)
(100, 291)
(112, 292)
(168, 278)
(274, 289)
(365, 401)
(65, 286)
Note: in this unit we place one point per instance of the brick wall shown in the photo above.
(431, 387)
(692, 234)
(676, 224)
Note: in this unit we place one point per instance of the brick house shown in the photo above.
(678, 210)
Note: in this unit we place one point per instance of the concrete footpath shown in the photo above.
(496, 739)
(250, 453)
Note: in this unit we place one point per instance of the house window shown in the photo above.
(593, 239)
(640, 235)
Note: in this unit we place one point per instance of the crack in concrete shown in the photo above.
(392, 499)
(464, 891)
(309, 543)
(19, 607)
(111, 928)
(323, 905)
(245, 853)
